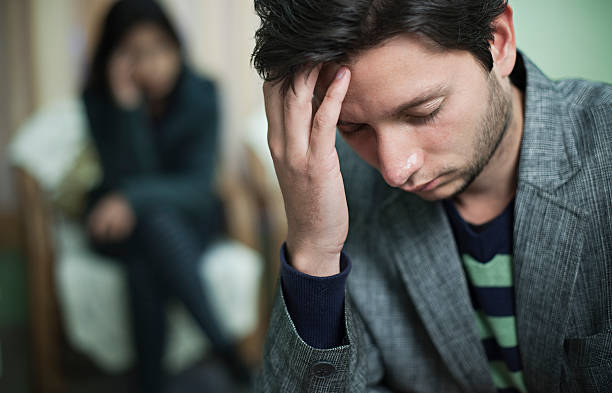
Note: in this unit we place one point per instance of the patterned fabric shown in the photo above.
(487, 261)
(409, 320)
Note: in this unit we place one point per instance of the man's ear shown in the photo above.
(503, 46)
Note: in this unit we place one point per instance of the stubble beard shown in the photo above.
(491, 131)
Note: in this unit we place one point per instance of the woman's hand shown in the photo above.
(112, 219)
(125, 90)
(308, 170)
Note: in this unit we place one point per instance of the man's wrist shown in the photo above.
(316, 304)
(314, 263)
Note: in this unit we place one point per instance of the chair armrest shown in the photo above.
(43, 306)
(256, 217)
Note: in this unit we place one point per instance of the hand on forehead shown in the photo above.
(326, 76)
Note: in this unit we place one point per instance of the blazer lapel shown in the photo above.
(547, 250)
(421, 243)
(548, 233)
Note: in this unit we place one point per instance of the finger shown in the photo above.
(122, 229)
(323, 137)
(124, 232)
(298, 111)
(97, 226)
(274, 113)
(113, 221)
(103, 230)
(113, 231)
(112, 228)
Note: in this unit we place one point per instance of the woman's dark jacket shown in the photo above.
(164, 163)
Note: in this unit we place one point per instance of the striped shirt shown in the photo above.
(486, 253)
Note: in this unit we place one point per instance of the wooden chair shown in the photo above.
(43, 307)
(253, 217)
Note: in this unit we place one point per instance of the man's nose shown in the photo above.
(398, 160)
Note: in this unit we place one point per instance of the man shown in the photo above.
(475, 218)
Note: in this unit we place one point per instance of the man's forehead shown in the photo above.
(403, 68)
(401, 54)
(378, 87)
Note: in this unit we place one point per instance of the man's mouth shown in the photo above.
(430, 185)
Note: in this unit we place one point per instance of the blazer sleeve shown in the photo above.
(291, 365)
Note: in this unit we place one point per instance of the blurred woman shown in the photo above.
(154, 124)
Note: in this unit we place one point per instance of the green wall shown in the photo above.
(566, 38)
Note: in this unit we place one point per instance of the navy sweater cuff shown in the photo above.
(316, 304)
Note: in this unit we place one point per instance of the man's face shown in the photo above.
(428, 121)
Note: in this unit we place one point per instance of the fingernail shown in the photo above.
(340, 73)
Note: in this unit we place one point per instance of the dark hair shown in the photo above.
(121, 18)
(296, 33)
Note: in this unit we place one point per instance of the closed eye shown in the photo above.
(350, 128)
(425, 120)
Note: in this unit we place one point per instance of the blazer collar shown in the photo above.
(548, 154)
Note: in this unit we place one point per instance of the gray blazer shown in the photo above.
(409, 321)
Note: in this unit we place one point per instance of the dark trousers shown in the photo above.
(161, 258)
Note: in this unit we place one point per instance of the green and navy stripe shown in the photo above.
(486, 252)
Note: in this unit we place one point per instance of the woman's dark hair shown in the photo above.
(121, 18)
(295, 33)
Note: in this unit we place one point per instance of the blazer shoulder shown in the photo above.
(588, 118)
(582, 94)
(589, 109)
